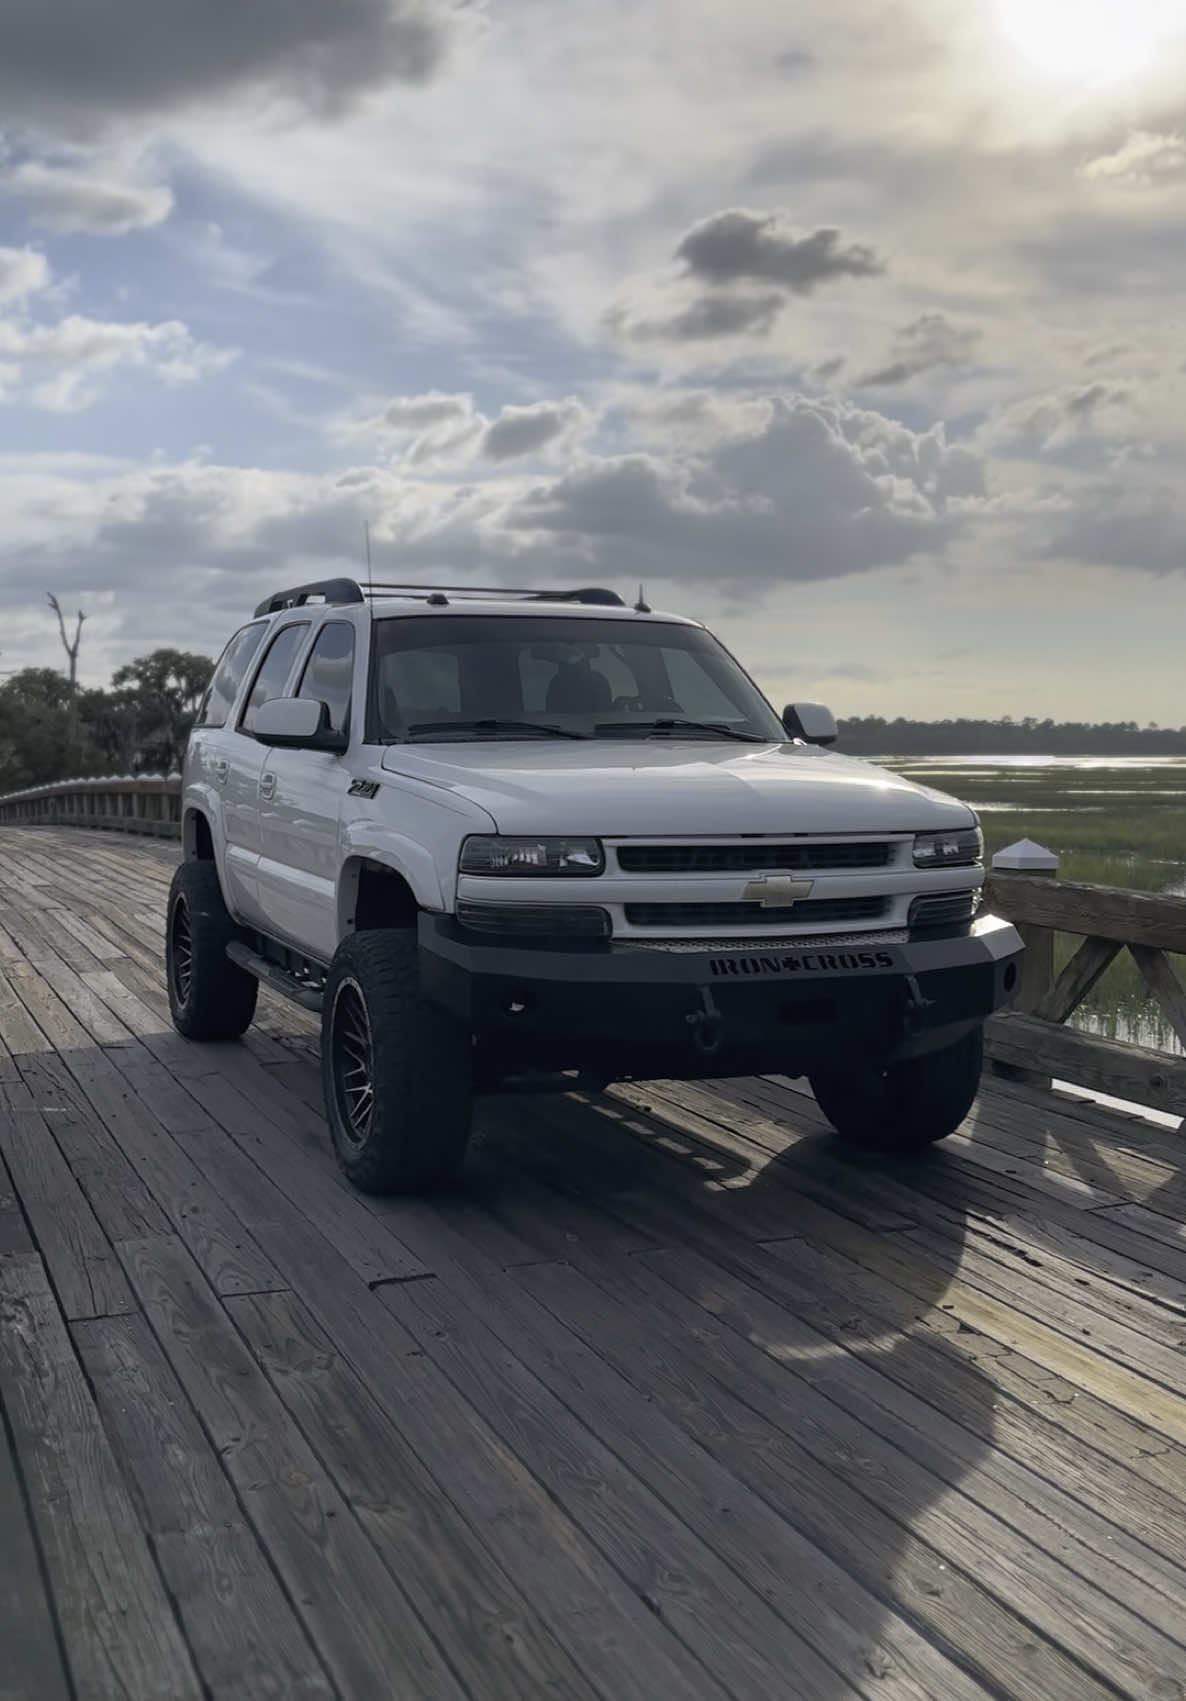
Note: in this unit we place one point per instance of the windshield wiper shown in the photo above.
(717, 728)
(495, 726)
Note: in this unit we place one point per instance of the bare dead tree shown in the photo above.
(71, 649)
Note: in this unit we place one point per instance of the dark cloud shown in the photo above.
(928, 343)
(420, 413)
(721, 313)
(1117, 526)
(820, 492)
(71, 64)
(78, 201)
(740, 245)
(525, 430)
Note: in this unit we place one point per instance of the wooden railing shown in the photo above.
(1033, 1040)
(148, 803)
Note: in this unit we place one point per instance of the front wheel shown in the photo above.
(397, 1072)
(906, 1106)
(210, 997)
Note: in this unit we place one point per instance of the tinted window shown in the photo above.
(329, 672)
(601, 678)
(228, 676)
(274, 670)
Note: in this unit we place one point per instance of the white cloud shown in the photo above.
(76, 200)
(1146, 158)
(61, 364)
(23, 272)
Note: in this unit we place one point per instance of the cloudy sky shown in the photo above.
(855, 327)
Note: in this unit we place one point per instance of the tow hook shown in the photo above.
(914, 1015)
(707, 1025)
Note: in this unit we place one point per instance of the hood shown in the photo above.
(671, 789)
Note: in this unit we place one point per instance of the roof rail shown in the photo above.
(439, 595)
(329, 590)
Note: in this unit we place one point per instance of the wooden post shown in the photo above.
(1037, 966)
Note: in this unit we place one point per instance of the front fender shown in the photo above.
(407, 857)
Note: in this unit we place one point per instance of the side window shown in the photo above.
(228, 676)
(329, 672)
(274, 670)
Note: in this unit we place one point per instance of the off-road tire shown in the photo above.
(412, 1132)
(210, 997)
(907, 1106)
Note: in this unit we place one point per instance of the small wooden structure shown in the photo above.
(669, 1401)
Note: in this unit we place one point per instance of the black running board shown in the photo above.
(272, 975)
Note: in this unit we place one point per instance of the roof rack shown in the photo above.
(440, 595)
(329, 591)
(340, 591)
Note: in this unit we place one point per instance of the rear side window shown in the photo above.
(229, 675)
(274, 670)
(329, 672)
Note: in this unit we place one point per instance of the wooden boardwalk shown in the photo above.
(668, 1403)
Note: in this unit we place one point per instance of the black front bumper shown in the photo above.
(691, 1010)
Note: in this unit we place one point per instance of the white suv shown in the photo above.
(494, 835)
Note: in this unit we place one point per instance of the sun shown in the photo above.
(1094, 41)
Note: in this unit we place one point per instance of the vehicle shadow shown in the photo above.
(788, 1323)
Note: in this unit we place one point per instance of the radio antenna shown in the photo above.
(366, 529)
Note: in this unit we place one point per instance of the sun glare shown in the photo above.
(1095, 41)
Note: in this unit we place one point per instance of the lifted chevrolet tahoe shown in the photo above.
(501, 835)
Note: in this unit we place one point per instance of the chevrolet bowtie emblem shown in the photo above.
(777, 891)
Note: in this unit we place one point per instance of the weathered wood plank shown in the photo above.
(121, 1639)
(244, 1636)
(737, 1639)
(78, 1254)
(1127, 1071)
(192, 1200)
(31, 1667)
(18, 1031)
(1107, 912)
(1085, 968)
(359, 1620)
(497, 1643)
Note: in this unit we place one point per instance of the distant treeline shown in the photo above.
(870, 735)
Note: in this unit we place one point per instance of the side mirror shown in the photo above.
(297, 723)
(811, 722)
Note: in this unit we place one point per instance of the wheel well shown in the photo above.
(199, 841)
(381, 898)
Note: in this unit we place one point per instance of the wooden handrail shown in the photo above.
(1033, 1039)
(128, 803)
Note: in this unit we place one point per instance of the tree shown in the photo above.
(152, 705)
(71, 649)
(37, 743)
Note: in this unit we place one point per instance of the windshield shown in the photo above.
(448, 677)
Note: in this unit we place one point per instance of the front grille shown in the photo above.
(944, 909)
(812, 912)
(750, 859)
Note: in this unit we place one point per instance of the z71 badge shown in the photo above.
(364, 788)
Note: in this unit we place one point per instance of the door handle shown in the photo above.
(222, 768)
(267, 787)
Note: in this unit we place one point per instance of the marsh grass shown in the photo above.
(1117, 825)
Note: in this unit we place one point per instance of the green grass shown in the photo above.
(1110, 826)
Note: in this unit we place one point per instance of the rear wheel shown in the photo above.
(210, 997)
(907, 1106)
(397, 1072)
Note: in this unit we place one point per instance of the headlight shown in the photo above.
(956, 849)
(529, 857)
